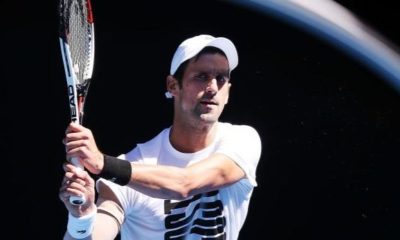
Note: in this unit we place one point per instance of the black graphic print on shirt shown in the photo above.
(200, 217)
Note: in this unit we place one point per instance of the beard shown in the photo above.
(207, 113)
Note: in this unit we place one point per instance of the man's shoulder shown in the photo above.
(238, 132)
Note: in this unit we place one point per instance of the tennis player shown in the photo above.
(194, 180)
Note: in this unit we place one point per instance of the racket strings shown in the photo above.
(79, 36)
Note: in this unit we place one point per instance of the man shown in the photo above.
(194, 180)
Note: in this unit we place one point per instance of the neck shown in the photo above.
(189, 139)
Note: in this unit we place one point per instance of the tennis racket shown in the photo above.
(76, 35)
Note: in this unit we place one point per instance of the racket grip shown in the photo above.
(77, 200)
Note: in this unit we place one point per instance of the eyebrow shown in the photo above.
(215, 72)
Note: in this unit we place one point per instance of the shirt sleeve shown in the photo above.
(242, 143)
(125, 194)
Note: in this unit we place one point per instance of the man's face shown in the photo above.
(205, 89)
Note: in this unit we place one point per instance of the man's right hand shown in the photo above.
(77, 182)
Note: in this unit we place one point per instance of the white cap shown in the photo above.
(192, 46)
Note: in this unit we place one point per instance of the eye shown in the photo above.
(222, 79)
(201, 77)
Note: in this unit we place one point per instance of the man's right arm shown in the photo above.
(105, 228)
(106, 217)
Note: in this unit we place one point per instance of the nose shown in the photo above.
(212, 86)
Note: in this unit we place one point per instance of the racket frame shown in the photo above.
(77, 91)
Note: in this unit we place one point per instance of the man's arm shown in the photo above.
(169, 182)
(108, 215)
(105, 228)
(166, 182)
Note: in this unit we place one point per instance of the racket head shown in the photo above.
(77, 31)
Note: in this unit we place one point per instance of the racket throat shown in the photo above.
(82, 90)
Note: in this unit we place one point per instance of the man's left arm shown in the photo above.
(236, 158)
(170, 182)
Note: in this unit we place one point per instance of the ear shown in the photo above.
(172, 85)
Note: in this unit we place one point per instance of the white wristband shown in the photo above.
(81, 227)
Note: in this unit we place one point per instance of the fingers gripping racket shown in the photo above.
(77, 47)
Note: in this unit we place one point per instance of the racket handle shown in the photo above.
(77, 200)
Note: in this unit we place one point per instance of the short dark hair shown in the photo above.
(181, 69)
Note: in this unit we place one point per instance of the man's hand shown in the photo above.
(80, 143)
(77, 182)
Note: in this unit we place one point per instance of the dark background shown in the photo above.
(329, 125)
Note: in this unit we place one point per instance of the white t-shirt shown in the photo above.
(213, 215)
